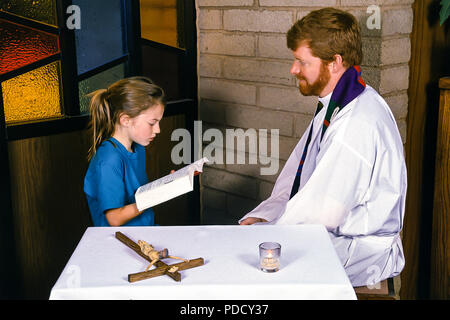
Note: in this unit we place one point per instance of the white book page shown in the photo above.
(164, 189)
(188, 170)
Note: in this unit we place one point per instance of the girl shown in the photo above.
(124, 119)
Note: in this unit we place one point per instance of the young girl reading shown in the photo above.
(124, 119)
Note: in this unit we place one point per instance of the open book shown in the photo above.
(168, 187)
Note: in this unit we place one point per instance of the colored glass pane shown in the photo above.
(41, 10)
(33, 95)
(101, 80)
(159, 21)
(101, 37)
(20, 45)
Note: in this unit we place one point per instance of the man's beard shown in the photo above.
(317, 87)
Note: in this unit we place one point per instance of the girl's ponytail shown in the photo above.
(102, 122)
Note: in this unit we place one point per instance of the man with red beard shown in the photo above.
(348, 171)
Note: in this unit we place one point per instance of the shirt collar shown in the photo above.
(325, 100)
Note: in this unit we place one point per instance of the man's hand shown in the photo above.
(251, 220)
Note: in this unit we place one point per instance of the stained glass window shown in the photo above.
(101, 80)
(102, 37)
(33, 95)
(21, 45)
(37, 67)
(38, 10)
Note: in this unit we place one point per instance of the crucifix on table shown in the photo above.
(161, 267)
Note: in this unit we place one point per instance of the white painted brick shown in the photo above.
(212, 111)
(254, 170)
(210, 66)
(287, 145)
(240, 206)
(393, 21)
(212, 216)
(257, 21)
(366, 3)
(298, 3)
(301, 14)
(286, 99)
(257, 70)
(235, 147)
(378, 52)
(212, 165)
(213, 199)
(398, 104)
(395, 51)
(371, 48)
(396, 2)
(246, 169)
(210, 19)
(362, 16)
(371, 76)
(273, 46)
(272, 165)
(228, 44)
(230, 182)
(397, 21)
(402, 128)
(301, 124)
(219, 126)
(222, 90)
(217, 3)
(251, 117)
(265, 189)
(255, 165)
(394, 79)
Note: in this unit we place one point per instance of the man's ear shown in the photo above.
(337, 64)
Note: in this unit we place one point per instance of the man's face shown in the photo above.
(311, 73)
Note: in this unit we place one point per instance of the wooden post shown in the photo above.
(440, 251)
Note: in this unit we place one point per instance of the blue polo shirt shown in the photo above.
(113, 176)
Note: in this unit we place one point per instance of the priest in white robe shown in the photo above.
(348, 171)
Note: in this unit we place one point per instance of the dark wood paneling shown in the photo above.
(50, 212)
(440, 254)
(429, 61)
(160, 64)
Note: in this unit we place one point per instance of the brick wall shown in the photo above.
(244, 82)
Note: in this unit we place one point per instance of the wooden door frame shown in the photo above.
(187, 103)
(427, 65)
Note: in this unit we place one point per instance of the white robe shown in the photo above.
(353, 183)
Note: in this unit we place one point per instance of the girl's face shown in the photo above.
(143, 128)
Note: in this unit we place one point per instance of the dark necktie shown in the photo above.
(296, 184)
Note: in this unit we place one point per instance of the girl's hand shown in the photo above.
(172, 171)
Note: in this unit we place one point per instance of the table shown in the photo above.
(310, 267)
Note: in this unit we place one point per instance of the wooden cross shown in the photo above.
(161, 267)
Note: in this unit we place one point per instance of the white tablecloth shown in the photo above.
(310, 267)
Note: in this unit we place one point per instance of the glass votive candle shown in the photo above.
(269, 256)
